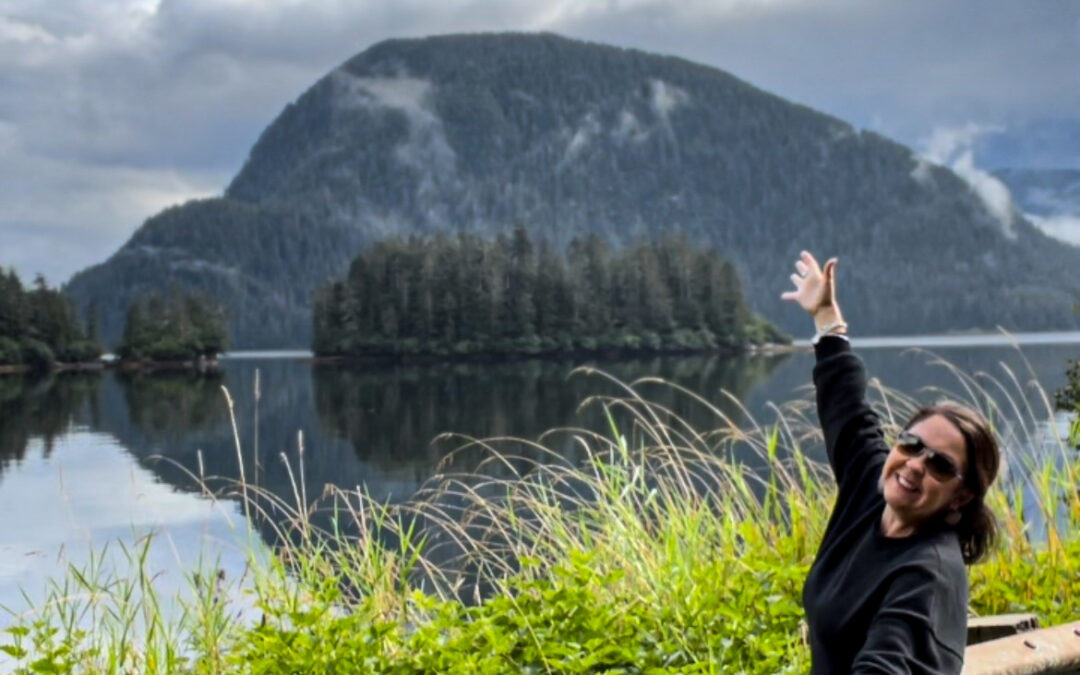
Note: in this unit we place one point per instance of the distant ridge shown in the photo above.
(479, 132)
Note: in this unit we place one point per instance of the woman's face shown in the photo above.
(915, 491)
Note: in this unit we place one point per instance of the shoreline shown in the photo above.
(941, 340)
(510, 357)
(101, 365)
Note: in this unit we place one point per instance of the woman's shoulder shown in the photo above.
(938, 554)
(943, 565)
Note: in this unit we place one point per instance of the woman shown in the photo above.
(888, 590)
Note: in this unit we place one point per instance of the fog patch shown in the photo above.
(426, 150)
(589, 127)
(923, 173)
(1065, 228)
(953, 148)
(665, 98)
(407, 94)
(629, 128)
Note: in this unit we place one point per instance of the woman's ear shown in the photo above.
(961, 498)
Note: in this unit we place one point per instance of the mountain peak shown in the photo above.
(478, 132)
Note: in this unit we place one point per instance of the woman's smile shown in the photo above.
(908, 484)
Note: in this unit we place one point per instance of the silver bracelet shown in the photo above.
(829, 329)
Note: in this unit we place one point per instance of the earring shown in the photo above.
(952, 517)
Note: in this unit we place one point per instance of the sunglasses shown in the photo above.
(941, 466)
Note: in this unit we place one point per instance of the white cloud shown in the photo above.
(1066, 228)
(151, 100)
(14, 31)
(63, 215)
(953, 147)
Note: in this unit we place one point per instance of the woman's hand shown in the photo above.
(815, 290)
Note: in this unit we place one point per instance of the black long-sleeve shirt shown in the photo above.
(875, 604)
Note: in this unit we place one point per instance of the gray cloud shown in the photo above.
(112, 109)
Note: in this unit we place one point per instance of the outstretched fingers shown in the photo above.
(807, 259)
(830, 269)
(809, 279)
(793, 294)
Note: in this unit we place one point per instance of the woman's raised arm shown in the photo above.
(852, 430)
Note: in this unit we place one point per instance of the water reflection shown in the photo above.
(173, 406)
(44, 407)
(360, 427)
(389, 415)
(83, 503)
(372, 427)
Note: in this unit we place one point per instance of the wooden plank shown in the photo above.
(983, 628)
(1048, 651)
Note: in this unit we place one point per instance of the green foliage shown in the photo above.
(37, 354)
(177, 326)
(1041, 580)
(92, 618)
(568, 621)
(10, 351)
(1068, 398)
(467, 295)
(661, 551)
(38, 326)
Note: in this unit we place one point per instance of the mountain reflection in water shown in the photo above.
(369, 428)
(372, 427)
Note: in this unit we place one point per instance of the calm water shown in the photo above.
(87, 460)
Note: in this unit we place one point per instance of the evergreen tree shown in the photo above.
(13, 309)
(39, 326)
(464, 295)
(176, 326)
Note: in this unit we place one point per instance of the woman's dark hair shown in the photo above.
(977, 527)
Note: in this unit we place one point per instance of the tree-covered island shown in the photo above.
(175, 328)
(468, 296)
(40, 330)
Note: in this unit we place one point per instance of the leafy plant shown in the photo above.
(664, 549)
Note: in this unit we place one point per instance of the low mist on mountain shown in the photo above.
(479, 133)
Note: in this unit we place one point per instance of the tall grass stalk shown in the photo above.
(646, 545)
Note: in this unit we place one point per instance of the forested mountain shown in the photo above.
(475, 133)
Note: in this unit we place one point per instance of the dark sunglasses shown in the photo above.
(941, 466)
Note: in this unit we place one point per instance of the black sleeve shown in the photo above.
(904, 636)
(852, 430)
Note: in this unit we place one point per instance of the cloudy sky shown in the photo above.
(111, 110)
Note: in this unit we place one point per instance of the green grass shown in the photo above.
(660, 548)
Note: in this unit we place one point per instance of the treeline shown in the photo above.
(173, 326)
(39, 326)
(467, 295)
